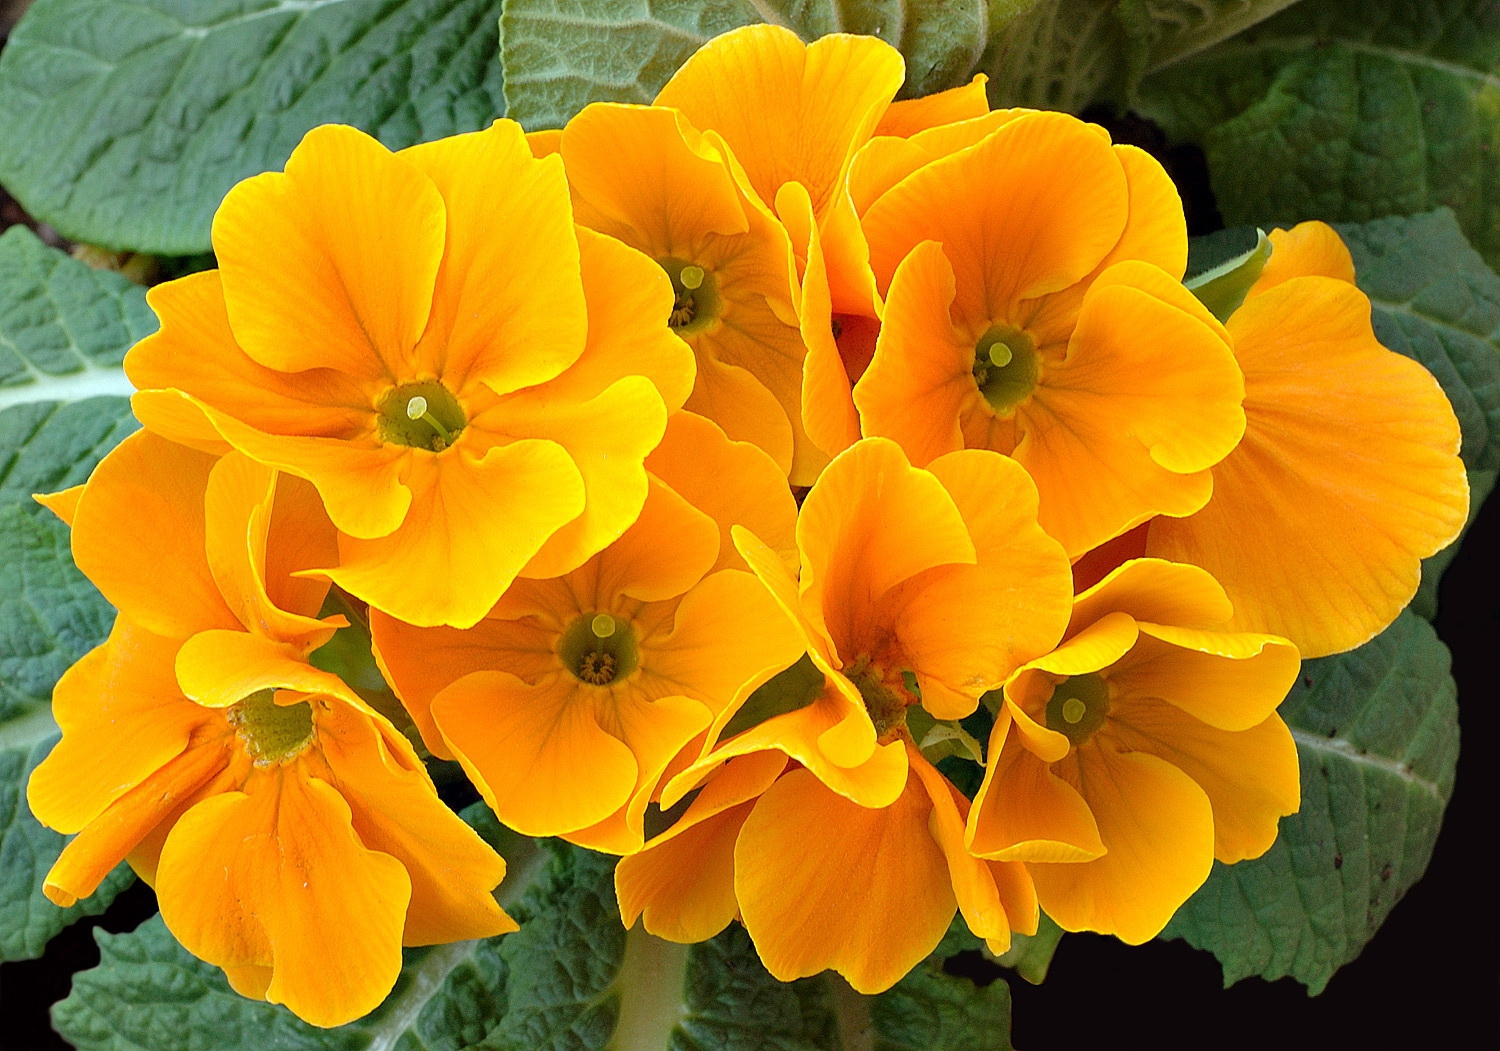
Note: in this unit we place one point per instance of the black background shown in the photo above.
(1430, 977)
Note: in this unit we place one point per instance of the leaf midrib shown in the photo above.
(1346, 750)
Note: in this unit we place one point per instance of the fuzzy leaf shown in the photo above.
(1377, 735)
(560, 55)
(929, 1010)
(124, 122)
(1347, 110)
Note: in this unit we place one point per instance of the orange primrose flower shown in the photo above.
(291, 833)
(644, 175)
(918, 587)
(1034, 307)
(1143, 747)
(470, 381)
(567, 703)
(1349, 467)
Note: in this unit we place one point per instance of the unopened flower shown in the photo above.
(1143, 747)
(292, 835)
(469, 382)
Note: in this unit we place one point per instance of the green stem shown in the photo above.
(650, 986)
(852, 1012)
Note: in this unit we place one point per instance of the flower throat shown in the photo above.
(422, 415)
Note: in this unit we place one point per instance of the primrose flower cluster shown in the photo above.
(545, 410)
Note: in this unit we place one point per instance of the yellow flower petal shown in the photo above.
(342, 250)
(1025, 812)
(1230, 680)
(909, 116)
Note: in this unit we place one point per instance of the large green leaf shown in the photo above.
(1377, 734)
(124, 122)
(63, 331)
(560, 55)
(1348, 110)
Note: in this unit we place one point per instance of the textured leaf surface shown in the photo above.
(1348, 110)
(929, 1010)
(124, 122)
(1377, 734)
(63, 331)
(561, 55)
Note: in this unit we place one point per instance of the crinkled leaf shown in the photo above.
(27, 850)
(1435, 300)
(63, 331)
(580, 981)
(1347, 110)
(929, 1010)
(1377, 735)
(124, 122)
(560, 55)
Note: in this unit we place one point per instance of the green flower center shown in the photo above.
(696, 302)
(1006, 367)
(1078, 707)
(886, 698)
(599, 649)
(273, 733)
(422, 415)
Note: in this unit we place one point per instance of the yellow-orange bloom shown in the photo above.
(1144, 746)
(1348, 474)
(644, 175)
(567, 703)
(1034, 307)
(917, 586)
(469, 381)
(291, 833)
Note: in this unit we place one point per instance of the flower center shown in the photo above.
(599, 648)
(1006, 367)
(696, 296)
(886, 695)
(273, 733)
(1078, 707)
(422, 415)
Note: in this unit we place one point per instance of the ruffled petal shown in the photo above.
(967, 628)
(909, 116)
(139, 535)
(396, 811)
(219, 668)
(694, 458)
(195, 352)
(341, 252)
(1044, 188)
(824, 883)
(507, 311)
(473, 524)
(1157, 827)
(1157, 591)
(1349, 468)
(665, 552)
(1250, 776)
(277, 877)
(607, 439)
(920, 383)
(1025, 812)
(536, 752)
(1310, 249)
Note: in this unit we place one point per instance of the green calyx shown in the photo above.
(1078, 707)
(273, 733)
(696, 303)
(599, 649)
(885, 700)
(422, 415)
(1006, 367)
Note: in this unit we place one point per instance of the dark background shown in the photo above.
(1430, 978)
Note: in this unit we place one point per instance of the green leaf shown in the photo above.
(27, 850)
(580, 981)
(1377, 735)
(560, 56)
(1030, 955)
(1347, 110)
(63, 331)
(1223, 288)
(124, 122)
(1435, 300)
(786, 691)
(929, 1010)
